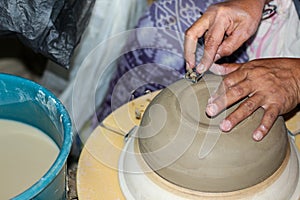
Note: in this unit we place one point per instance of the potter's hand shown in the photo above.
(225, 26)
(273, 84)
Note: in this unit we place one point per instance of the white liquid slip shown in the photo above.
(26, 154)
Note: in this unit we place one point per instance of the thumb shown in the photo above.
(223, 69)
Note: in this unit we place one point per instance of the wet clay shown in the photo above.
(184, 146)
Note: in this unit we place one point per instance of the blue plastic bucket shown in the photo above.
(28, 102)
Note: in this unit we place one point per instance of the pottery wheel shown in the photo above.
(184, 146)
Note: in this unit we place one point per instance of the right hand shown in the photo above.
(272, 84)
(225, 26)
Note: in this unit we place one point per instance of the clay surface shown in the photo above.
(175, 131)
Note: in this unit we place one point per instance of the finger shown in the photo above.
(224, 68)
(213, 38)
(267, 122)
(229, 81)
(191, 38)
(244, 110)
(231, 95)
(189, 52)
(232, 43)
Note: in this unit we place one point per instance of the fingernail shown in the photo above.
(225, 125)
(187, 66)
(262, 127)
(257, 135)
(200, 68)
(211, 99)
(217, 57)
(211, 109)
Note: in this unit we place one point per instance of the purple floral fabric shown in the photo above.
(154, 53)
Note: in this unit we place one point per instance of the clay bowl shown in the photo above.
(184, 146)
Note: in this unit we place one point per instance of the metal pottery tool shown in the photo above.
(193, 76)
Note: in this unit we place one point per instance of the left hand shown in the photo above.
(273, 84)
(225, 27)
